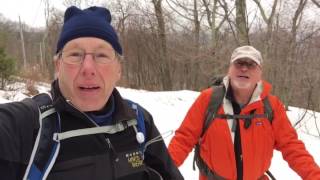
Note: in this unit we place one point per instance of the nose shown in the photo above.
(244, 67)
(88, 67)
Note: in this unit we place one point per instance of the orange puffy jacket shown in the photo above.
(258, 141)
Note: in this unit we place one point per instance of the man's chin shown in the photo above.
(241, 86)
(88, 106)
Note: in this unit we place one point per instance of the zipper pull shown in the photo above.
(114, 153)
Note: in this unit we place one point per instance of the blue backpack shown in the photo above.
(47, 144)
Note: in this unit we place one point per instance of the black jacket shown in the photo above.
(84, 157)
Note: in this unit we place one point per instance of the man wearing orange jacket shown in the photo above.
(229, 148)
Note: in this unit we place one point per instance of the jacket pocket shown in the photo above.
(264, 142)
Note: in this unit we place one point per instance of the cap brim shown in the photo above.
(246, 56)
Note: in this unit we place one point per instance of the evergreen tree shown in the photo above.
(7, 68)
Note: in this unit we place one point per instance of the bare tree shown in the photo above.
(292, 52)
(79, 3)
(212, 17)
(196, 22)
(23, 45)
(297, 18)
(268, 20)
(316, 3)
(44, 43)
(163, 54)
(242, 22)
(194, 18)
(123, 11)
(225, 7)
(76, 3)
(51, 38)
(241, 32)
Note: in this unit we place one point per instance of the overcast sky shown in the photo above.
(31, 11)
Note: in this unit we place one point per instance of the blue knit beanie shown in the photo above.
(90, 22)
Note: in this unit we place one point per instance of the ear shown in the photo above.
(119, 73)
(57, 66)
(260, 73)
(229, 70)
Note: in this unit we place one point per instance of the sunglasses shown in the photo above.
(241, 63)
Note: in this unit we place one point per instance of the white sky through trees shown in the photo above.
(31, 12)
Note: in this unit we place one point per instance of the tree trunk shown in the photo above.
(241, 23)
(194, 68)
(163, 54)
(196, 27)
(214, 30)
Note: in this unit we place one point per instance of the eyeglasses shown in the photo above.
(77, 56)
(249, 64)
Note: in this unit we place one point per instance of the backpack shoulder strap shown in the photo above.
(268, 109)
(216, 100)
(140, 118)
(45, 150)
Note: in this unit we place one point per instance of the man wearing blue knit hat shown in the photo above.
(83, 129)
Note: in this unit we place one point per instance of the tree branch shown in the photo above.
(206, 5)
(316, 3)
(263, 14)
(273, 12)
(180, 14)
(224, 5)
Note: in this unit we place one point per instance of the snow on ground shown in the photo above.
(169, 108)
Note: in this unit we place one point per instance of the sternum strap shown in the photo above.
(112, 129)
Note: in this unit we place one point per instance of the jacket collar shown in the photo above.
(261, 91)
(122, 111)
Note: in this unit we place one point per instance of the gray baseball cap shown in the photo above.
(247, 52)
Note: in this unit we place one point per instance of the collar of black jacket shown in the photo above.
(122, 111)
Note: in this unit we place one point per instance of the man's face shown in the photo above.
(244, 74)
(87, 83)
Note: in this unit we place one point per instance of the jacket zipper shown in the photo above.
(110, 146)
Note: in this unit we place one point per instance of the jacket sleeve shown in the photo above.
(187, 135)
(293, 150)
(157, 155)
(16, 137)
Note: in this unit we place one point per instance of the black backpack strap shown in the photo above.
(45, 149)
(215, 101)
(213, 106)
(268, 109)
(247, 117)
(268, 113)
(240, 116)
(270, 175)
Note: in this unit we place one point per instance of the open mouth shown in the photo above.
(89, 88)
(246, 77)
